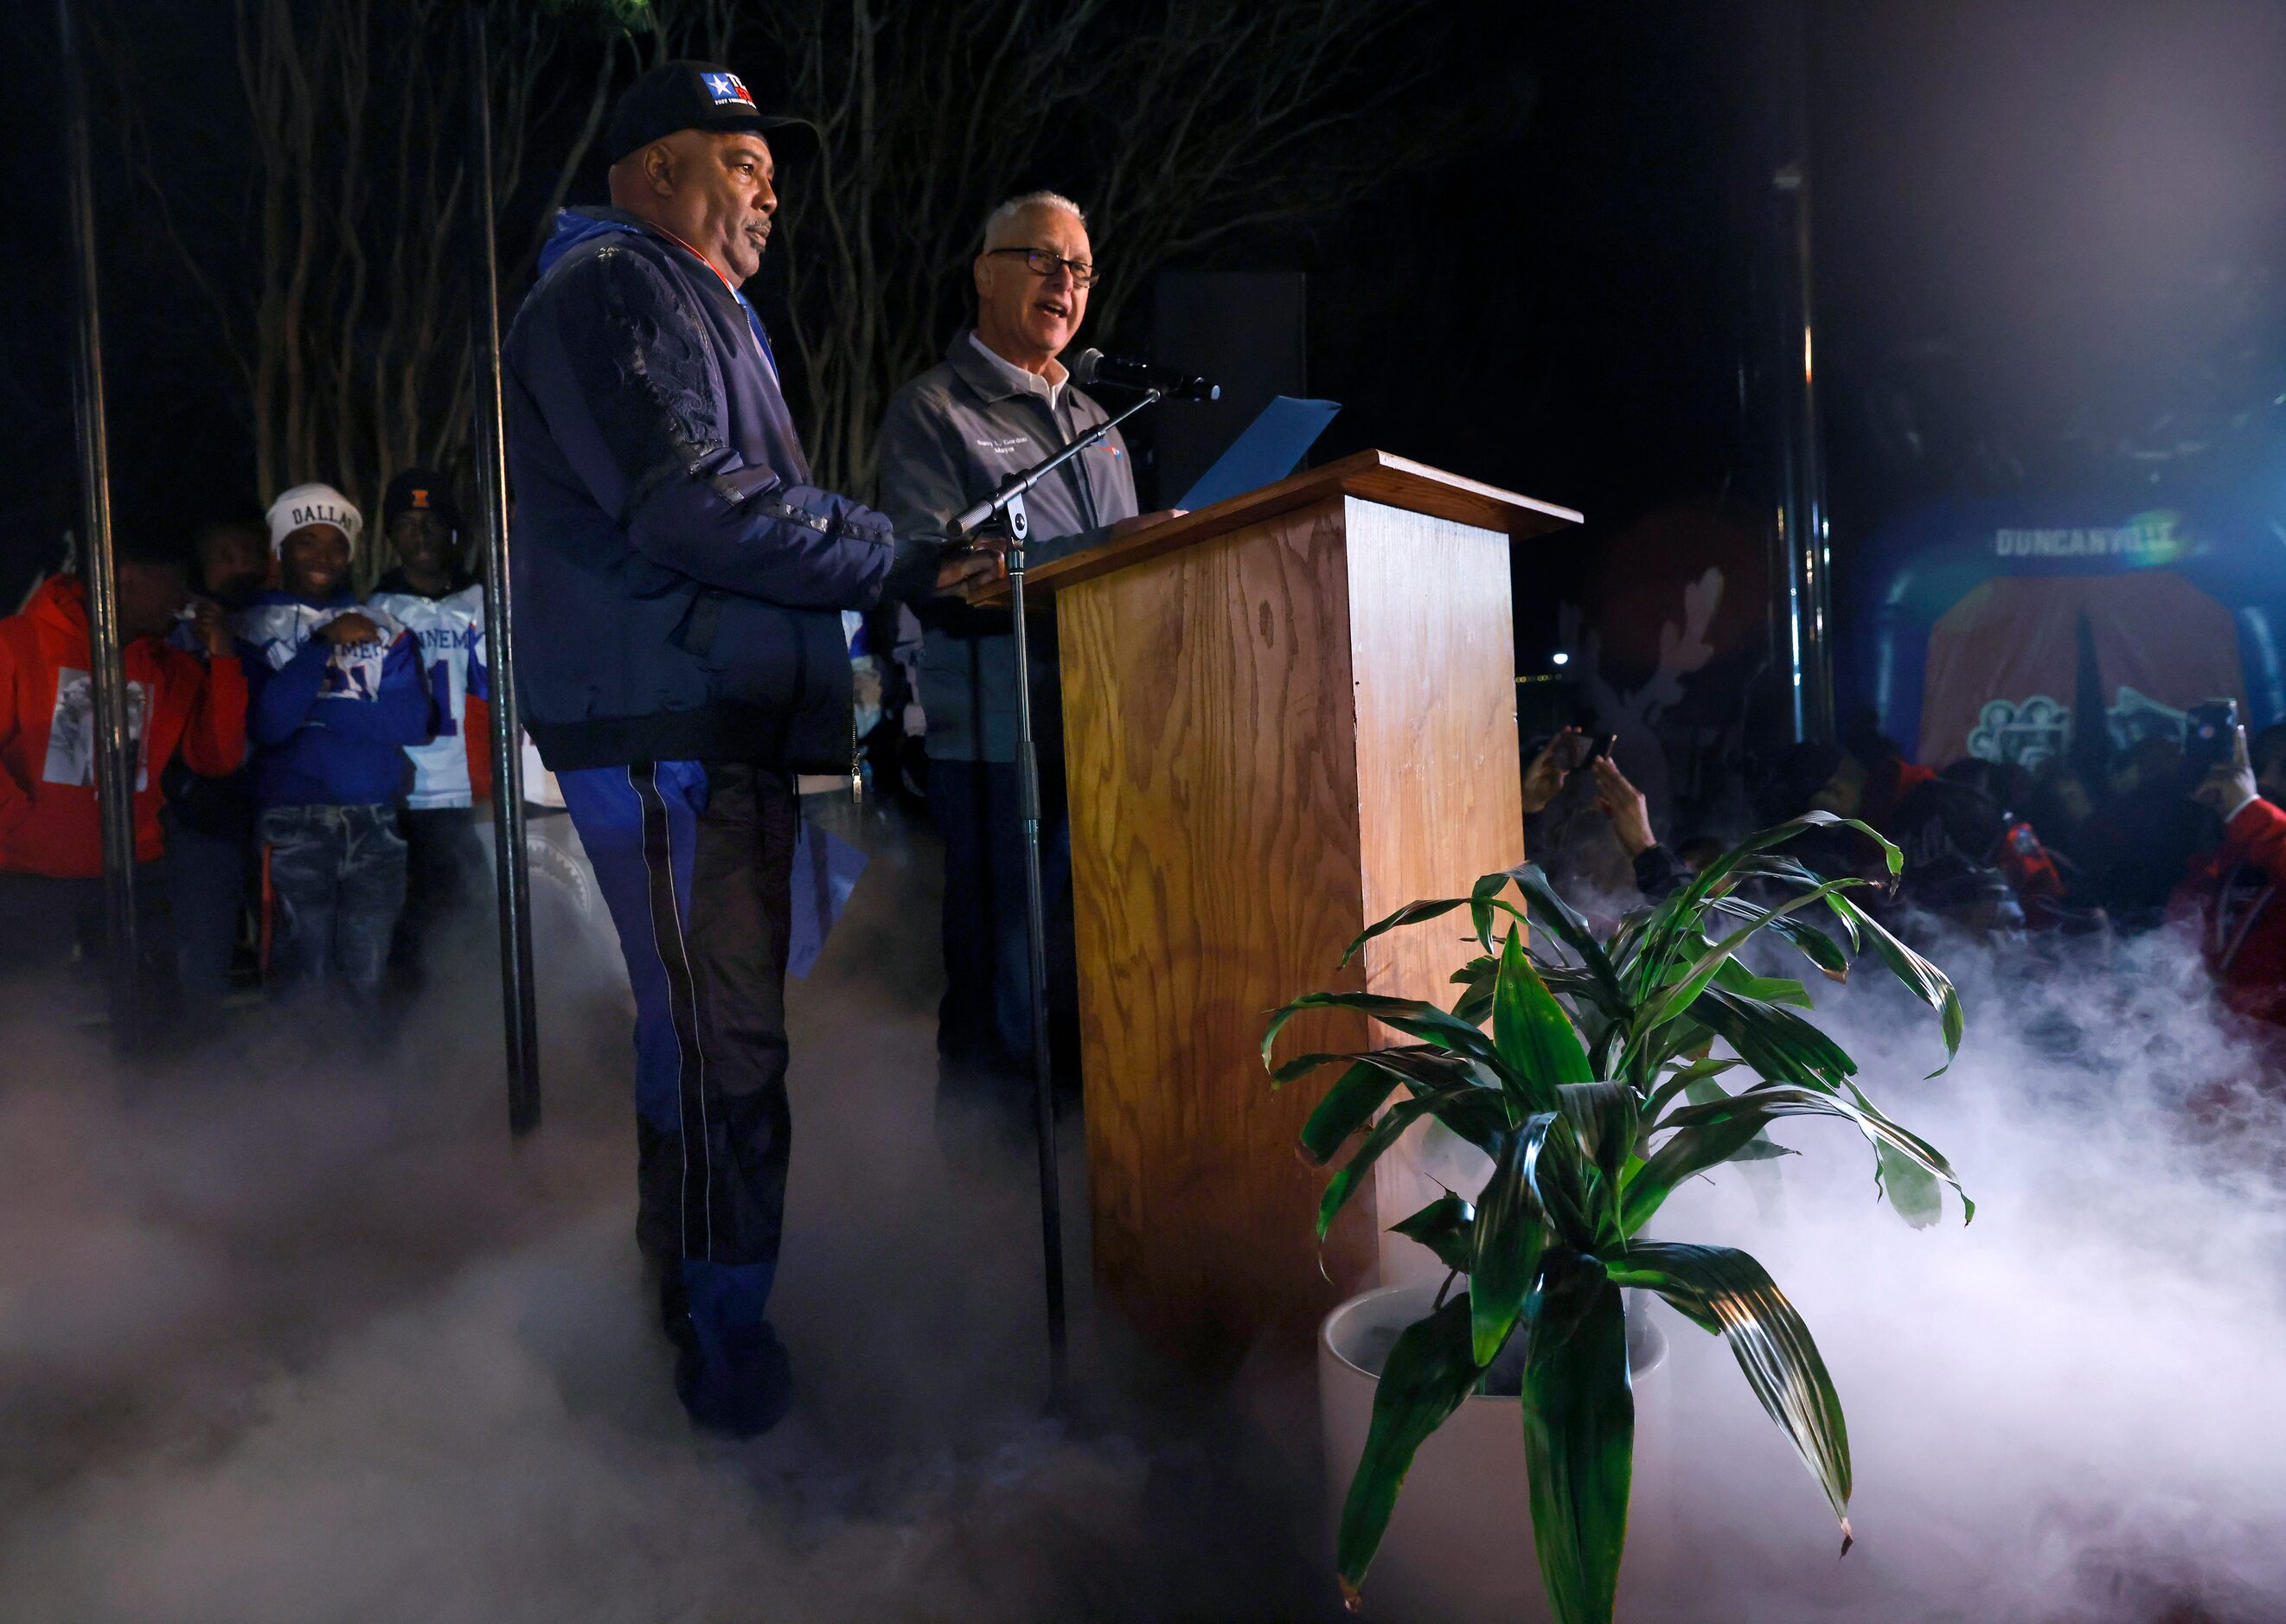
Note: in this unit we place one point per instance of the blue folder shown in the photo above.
(1273, 444)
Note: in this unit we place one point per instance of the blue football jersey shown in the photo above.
(450, 632)
(277, 630)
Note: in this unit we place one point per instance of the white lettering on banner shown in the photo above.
(2151, 537)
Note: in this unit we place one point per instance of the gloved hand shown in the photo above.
(932, 566)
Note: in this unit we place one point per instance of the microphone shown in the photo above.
(1094, 366)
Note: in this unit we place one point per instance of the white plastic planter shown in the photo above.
(1459, 1550)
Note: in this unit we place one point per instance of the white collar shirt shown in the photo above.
(1050, 388)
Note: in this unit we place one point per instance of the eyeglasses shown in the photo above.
(1042, 263)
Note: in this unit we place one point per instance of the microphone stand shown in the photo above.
(1007, 506)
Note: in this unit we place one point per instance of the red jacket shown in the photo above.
(2242, 915)
(48, 819)
(2032, 874)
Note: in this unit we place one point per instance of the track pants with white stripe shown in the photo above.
(695, 861)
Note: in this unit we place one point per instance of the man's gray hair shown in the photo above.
(998, 223)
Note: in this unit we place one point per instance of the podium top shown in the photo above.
(1376, 475)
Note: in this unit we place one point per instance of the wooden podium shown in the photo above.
(1285, 716)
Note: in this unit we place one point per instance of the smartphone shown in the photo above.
(2210, 734)
(1600, 748)
(1571, 752)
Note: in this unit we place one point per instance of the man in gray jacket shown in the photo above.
(1000, 401)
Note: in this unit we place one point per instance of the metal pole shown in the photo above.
(1803, 521)
(1804, 548)
(520, 1017)
(1007, 505)
(115, 743)
(1043, 1098)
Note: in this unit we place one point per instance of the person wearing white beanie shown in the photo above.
(315, 503)
(336, 695)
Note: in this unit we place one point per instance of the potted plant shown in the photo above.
(1593, 1095)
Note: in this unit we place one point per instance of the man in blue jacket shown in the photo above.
(334, 694)
(678, 589)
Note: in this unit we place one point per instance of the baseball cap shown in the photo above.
(314, 504)
(681, 94)
(420, 490)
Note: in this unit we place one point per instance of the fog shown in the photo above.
(2069, 1409)
(291, 1332)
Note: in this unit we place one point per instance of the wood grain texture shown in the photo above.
(1208, 721)
(1275, 734)
(1432, 654)
(1379, 475)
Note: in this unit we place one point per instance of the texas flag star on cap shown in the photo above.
(726, 89)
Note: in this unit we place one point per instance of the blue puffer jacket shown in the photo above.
(678, 580)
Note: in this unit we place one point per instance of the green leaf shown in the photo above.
(1539, 1047)
(1775, 1043)
(1691, 1150)
(1478, 978)
(1715, 1131)
(1361, 1091)
(1911, 1188)
(1412, 913)
(1446, 1226)
(1803, 935)
(1718, 1287)
(1430, 1371)
(1478, 1114)
(1735, 977)
(1482, 901)
(1683, 993)
(1570, 927)
(1761, 1148)
(1386, 1132)
(1683, 1080)
(1480, 906)
(1928, 984)
(1579, 1435)
(1664, 935)
(1557, 1172)
(1627, 943)
(1605, 1119)
(1409, 1016)
(1408, 1060)
(1511, 1235)
(1348, 1106)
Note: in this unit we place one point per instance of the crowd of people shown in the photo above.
(308, 759)
(2008, 853)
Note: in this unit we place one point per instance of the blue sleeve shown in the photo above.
(400, 713)
(636, 406)
(280, 701)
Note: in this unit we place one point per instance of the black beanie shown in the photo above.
(418, 490)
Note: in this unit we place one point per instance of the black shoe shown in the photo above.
(736, 1383)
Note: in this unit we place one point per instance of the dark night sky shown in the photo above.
(2021, 210)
